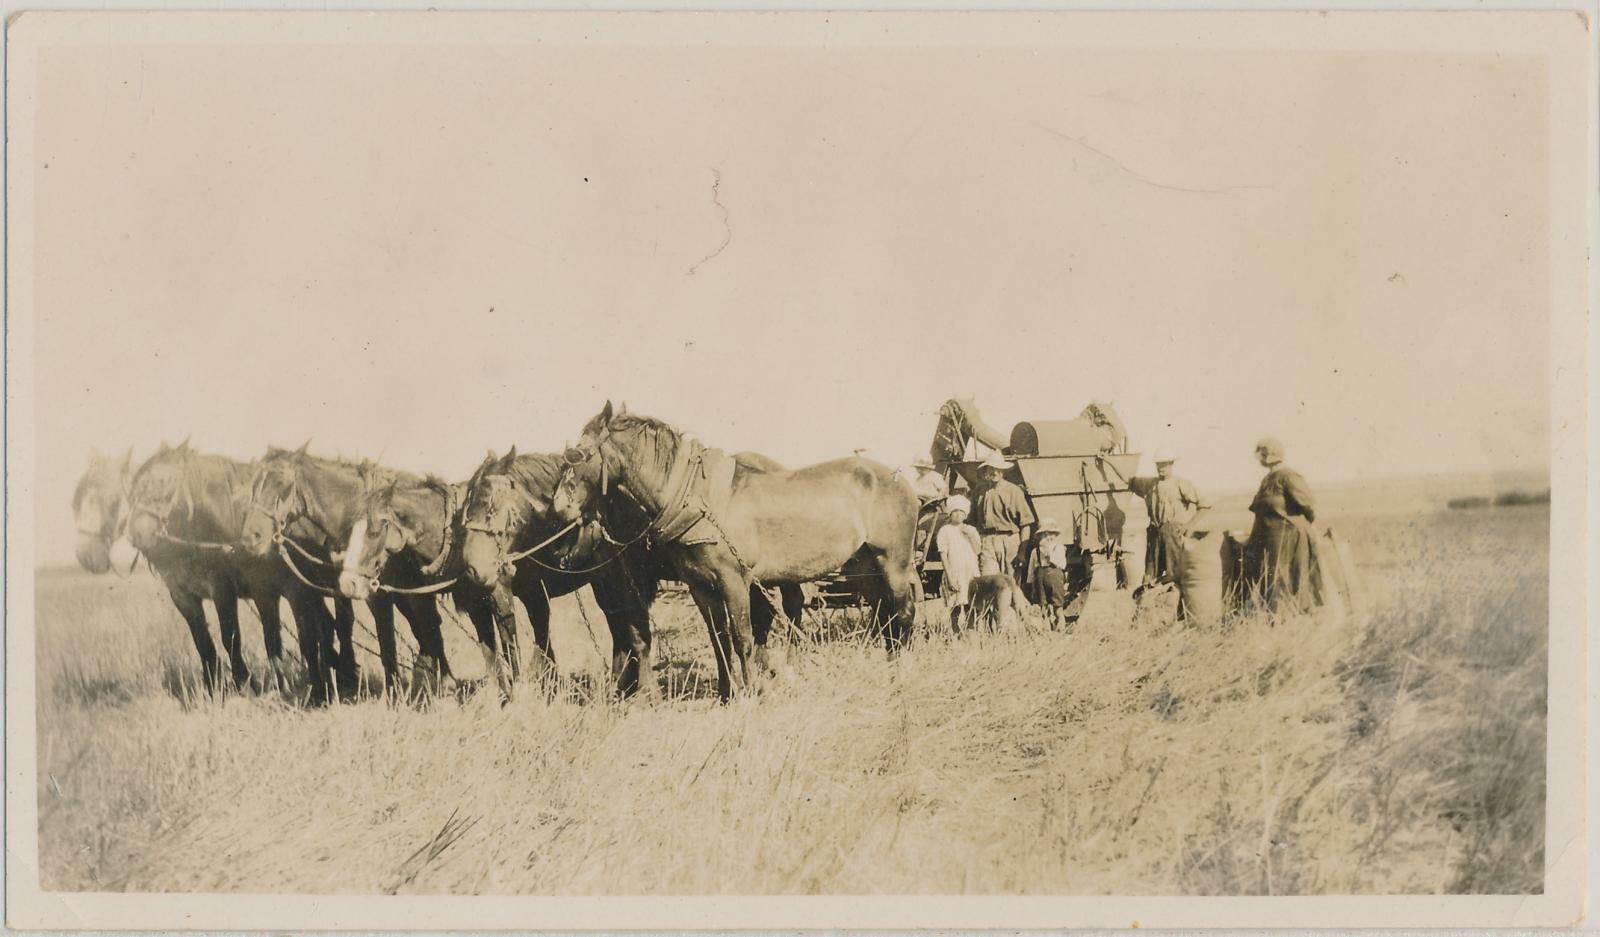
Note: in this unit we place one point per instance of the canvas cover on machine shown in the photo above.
(1098, 429)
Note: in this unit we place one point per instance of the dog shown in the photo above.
(997, 603)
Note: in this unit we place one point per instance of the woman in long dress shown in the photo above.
(1281, 554)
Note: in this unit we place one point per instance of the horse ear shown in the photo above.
(127, 458)
(184, 446)
(622, 407)
(164, 447)
(304, 447)
(511, 454)
(94, 455)
(605, 415)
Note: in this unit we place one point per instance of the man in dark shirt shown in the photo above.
(1003, 517)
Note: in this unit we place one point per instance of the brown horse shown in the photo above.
(303, 508)
(512, 541)
(725, 531)
(185, 513)
(407, 539)
(99, 508)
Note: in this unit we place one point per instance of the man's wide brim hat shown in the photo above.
(996, 462)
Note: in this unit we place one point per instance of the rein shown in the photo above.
(508, 560)
(163, 535)
(283, 551)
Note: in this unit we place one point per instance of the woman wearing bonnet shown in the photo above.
(1281, 554)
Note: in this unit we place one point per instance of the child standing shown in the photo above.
(1050, 571)
(958, 551)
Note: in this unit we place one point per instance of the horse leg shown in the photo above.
(383, 624)
(193, 611)
(625, 660)
(634, 607)
(762, 614)
(227, 602)
(272, 636)
(427, 626)
(715, 613)
(536, 602)
(310, 619)
(484, 609)
(794, 603)
(735, 593)
(346, 671)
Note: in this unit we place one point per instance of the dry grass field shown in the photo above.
(1401, 751)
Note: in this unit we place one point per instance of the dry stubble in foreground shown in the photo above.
(1403, 752)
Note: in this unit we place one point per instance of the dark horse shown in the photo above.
(303, 508)
(406, 539)
(514, 543)
(725, 531)
(185, 513)
(510, 523)
(99, 508)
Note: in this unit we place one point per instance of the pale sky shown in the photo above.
(421, 253)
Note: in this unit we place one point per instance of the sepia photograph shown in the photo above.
(797, 469)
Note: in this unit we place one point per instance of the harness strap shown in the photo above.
(281, 540)
(447, 546)
(524, 554)
(293, 568)
(419, 590)
(676, 517)
(196, 544)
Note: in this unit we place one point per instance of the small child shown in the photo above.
(1050, 584)
(958, 551)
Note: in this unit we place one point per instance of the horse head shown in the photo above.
(496, 509)
(578, 495)
(276, 499)
(378, 534)
(99, 507)
(593, 463)
(157, 493)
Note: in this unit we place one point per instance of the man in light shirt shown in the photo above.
(1173, 504)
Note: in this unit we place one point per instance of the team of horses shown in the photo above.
(633, 503)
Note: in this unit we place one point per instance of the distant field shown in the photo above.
(1400, 752)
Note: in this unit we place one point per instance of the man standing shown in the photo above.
(1173, 504)
(926, 481)
(1003, 517)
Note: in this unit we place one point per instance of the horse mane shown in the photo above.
(654, 429)
(217, 484)
(276, 456)
(439, 485)
(536, 472)
(380, 482)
